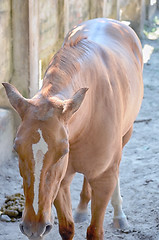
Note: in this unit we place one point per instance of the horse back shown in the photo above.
(112, 70)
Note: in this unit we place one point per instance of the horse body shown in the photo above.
(110, 72)
(104, 57)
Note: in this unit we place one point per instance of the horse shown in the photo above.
(79, 121)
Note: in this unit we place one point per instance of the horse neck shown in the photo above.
(65, 74)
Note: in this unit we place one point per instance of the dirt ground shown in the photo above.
(139, 170)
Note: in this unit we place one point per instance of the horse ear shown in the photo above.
(19, 103)
(72, 105)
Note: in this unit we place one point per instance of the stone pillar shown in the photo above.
(20, 32)
(25, 46)
(34, 46)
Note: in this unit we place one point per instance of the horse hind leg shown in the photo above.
(119, 219)
(81, 213)
(127, 136)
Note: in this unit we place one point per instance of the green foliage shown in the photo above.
(151, 29)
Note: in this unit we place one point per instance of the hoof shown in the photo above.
(120, 223)
(80, 216)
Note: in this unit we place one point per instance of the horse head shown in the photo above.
(42, 144)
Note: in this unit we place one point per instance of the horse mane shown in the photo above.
(68, 56)
(67, 62)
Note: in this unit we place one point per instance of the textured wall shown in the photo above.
(20, 45)
(133, 11)
(74, 13)
(6, 135)
(55, 18)
(48, 23)
(5, 41)
(48, 31)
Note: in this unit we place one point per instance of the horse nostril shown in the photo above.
(21, 228)
(48, 228)
(25, 230)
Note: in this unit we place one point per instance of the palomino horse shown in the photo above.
(54, 140)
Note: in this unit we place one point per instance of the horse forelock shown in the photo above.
(42, 108)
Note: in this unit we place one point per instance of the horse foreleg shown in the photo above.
(102, 189)
(119, 219)
(64, 210)
(81, 213)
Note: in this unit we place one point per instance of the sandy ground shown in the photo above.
(139, 171)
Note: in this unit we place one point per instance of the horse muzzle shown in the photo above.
(35, 233)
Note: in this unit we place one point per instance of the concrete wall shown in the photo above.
(6, 135)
